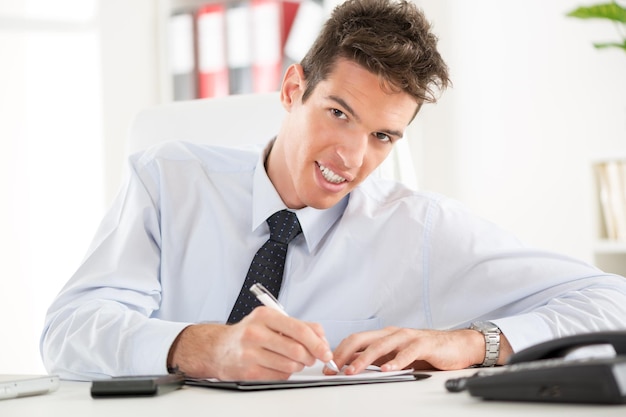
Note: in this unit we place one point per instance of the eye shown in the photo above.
(338, 114)
(383, 137)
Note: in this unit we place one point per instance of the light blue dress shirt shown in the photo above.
(175, 247)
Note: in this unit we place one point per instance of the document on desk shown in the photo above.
(312, 377)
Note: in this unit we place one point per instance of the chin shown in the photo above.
(318, 198)
(321, 206)
(324, 203)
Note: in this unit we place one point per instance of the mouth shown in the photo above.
(330, 176)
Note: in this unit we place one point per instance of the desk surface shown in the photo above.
(426, 397)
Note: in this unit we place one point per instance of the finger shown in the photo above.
(318, 330)
(277, 362)
(404, 358)
(270, 330)
(292, 350)
(351, 347)
(325, 351)
(394, 340)
(301, 332)
(257, 352)
(259, 364)
(307, 341)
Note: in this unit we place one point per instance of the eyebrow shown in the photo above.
(350, 110)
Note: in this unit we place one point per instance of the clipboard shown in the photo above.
(311, 377)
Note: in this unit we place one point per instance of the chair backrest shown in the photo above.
(233, 121)
(230, 120)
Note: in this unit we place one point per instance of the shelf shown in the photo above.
(601, 159)
(608, 246)
(610, 253)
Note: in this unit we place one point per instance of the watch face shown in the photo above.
(485, 326)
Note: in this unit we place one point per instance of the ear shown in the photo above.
(293, 86)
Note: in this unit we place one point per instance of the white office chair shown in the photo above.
(232, 120)
(235, 120)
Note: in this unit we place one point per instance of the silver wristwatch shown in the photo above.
(492, 341)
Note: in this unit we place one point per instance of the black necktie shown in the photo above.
(268, 264)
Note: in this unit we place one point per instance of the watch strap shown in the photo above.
(492, 333)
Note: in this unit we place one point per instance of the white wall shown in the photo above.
(51, 174)
(70, 82)
(532, 103)
(131, 65)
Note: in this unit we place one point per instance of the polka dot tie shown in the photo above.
(268, 264)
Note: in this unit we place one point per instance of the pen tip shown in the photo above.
(332, 366)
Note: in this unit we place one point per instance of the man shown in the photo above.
(379, 274)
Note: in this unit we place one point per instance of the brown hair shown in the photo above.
(389, 38)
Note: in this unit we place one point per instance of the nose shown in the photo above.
(352, 150)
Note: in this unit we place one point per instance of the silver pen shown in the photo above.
(268, 300)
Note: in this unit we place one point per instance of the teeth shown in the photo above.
(330, 176)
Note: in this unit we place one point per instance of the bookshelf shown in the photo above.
(165, 9)
(250, 58)
(609, 174)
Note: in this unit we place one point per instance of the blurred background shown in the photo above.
(533, 110)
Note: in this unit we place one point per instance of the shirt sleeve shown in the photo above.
(478, 271)
(99, 324)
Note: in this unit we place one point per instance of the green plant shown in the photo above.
(611, 11)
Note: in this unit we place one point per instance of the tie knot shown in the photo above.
(284, 226)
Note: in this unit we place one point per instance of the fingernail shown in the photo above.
(387, 367)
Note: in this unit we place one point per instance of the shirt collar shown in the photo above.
(315, 223)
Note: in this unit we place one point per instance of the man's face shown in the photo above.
(332, 142)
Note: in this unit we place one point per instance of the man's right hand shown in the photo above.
(264, 345)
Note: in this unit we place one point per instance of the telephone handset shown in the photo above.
(558, 348)
(542, 373)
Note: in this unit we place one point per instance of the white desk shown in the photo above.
(424, 398)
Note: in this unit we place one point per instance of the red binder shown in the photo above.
(308, 21)
(212, 64)
(289, 12)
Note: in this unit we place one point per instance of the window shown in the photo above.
(51, 174)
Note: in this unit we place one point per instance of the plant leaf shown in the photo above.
(603, 45)
(611, 11)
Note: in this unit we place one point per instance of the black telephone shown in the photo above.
(541, 373)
